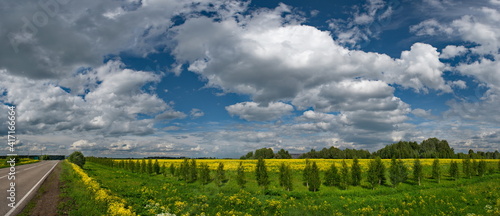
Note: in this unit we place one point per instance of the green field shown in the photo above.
(158, 195)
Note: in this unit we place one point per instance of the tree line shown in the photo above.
(342, 177)
(429, 148)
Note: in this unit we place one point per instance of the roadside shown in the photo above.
(46, 200)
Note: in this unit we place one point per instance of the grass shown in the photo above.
(76, 198)
(150, 195)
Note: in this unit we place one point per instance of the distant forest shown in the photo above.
(429, 148)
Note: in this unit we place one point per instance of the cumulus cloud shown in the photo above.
(451, 51)
(252, 111)
(108, 98)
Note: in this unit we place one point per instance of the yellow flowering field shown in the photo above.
(167, 194)
(296, 164)
(116, 206)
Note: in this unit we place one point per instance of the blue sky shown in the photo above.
(136, 78)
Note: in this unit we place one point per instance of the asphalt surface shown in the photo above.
(28, 179)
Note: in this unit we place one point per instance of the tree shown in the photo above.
(398, 172)
(156, 167)
(475, 167)
(286, 177)
(192, 171)
(314, 180)
(454, 173)
(150, 167)
(467, 168)
(240, 176)
(481, 169)
(261, 173)
(372, 176)
(220, 176)
(204, 174)
(417, 171)
(344, 176)
(332, 177)
(436, 170)
(380, 168)
(172, 169)
(143, 166)
(184, 170)
(355, 172)
(77, 158)
(282, 154)
(306, 173)
(163, 170)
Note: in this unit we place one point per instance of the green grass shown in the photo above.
(150, 195)
(76, 198)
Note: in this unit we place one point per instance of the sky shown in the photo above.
(202, 78)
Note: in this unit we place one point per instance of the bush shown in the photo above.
(77, 158)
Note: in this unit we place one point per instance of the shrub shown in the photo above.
(77, 158)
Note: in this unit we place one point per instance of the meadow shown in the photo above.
(149, 194)
(3, 162)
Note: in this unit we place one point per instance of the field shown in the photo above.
(22, 161)
(145, 194)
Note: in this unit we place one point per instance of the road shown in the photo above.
(28, 179)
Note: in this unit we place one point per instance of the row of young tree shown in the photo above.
(429, 148)
(342, 177)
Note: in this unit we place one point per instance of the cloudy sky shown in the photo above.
(135, 78)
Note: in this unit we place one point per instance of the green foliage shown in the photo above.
(429, 148)
(44, 157)
(285, 177)
(332, 177)
(163, 170)
(240, 176)
(418, 173)
(373, 177)
(77, 158)
(184, 170)
(172, 169)
(436, 170)
(261, 173)
(398, 173)
(335, 153)
(481, 169)
(355, 172)
(454, 173)
(467, 168)
(475, 167)
(143, 168)
(149, 168)
(204, 174)
(192, 170)
(314, 180)
(306, 173)
(220, 175)
(344, 176)
(282, 154)
(156, 167)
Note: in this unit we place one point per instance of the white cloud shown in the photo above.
(422, 113)
(252, 111)
(107, 99)
(83, 145)
(451, 51)
(423, 69)
(196, 113)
